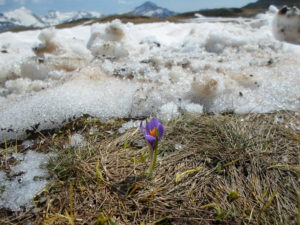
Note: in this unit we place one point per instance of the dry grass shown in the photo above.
(212, 169)
(125, 18)
(220, 12)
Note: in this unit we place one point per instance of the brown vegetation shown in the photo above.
(136, 19)
(212, 169)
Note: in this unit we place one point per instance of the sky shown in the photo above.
(106, 7)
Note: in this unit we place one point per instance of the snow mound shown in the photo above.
(286, 25)
(272, 9)
(108, 42)
(51, 45)
(264, 19)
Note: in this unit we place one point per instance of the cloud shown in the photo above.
(2, 2)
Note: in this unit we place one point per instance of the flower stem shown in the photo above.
(153, 161)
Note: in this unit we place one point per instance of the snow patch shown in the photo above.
(130, 124)
(25, 180)
(77, 140)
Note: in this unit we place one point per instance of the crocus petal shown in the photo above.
(151, 140)
(161, 131)
(153, 123)
(143, 130)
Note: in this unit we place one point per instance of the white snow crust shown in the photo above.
(158, 69)
(25, 180)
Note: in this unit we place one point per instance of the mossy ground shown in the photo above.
(212, 169)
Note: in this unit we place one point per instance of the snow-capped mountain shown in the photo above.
(57, 17)
(23, 17)
(151, 9)
(5, 24)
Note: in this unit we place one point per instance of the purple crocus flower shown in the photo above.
(153, 132)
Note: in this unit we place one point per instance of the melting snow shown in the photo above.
(25, 180)
(159, 69)
(77, 140)
(130, 124)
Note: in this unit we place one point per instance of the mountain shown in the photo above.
(152, 10)
(56, 17)
(264, 4)
(23, 17)
(5, 25)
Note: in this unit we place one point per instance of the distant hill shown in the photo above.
(221, 12)
(57, 17)
(264, 4)
(6, 26)
(152, 10)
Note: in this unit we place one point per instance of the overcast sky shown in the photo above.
(105, 7)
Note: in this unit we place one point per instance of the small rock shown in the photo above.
(27, 143)
(178, 146)
(138, 143)
(36, 210)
